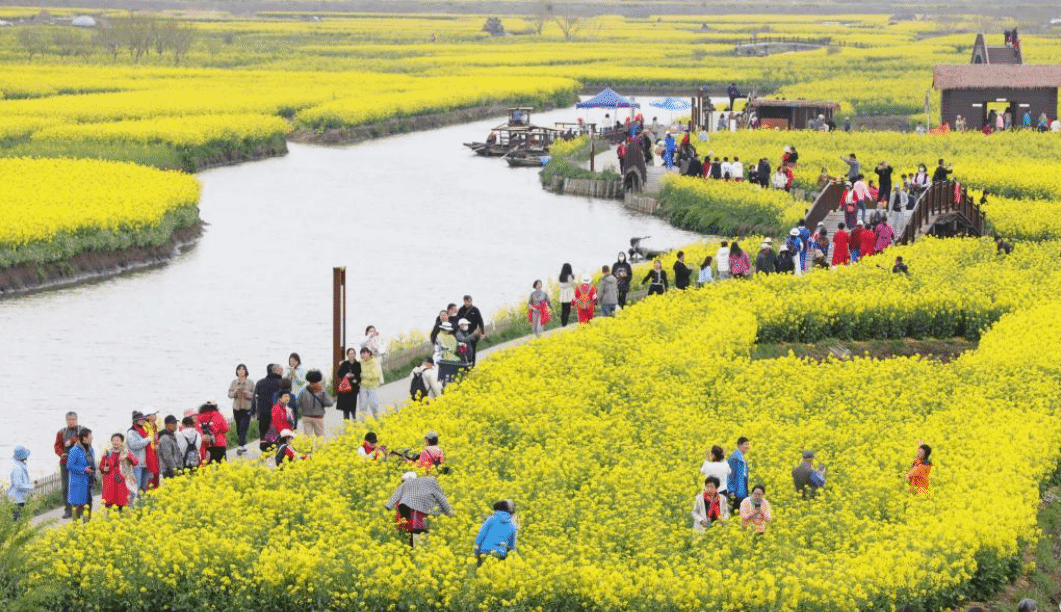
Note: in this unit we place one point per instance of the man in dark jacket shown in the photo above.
(475, 318)
(942, 172)
(681, 272)
(170, 460)
(264, 390)
(765, 261)
(763, 173)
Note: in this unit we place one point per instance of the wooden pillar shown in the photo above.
(338, 318)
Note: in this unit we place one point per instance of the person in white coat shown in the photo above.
(710, 506)
(21, 485)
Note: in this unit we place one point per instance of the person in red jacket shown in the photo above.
(841, 247)
(283, 415)
(855, 244)
(64, 439)
(115, 488)
(213, 426)
(868, 239)
(585, 299)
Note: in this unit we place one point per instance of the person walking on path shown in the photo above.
(424, 383)
(624, 273)
(314, 399)
(669, 145)
(868, 240)
(415, 500)
(21, 486)
(755, 511)
(737, 483)
(65, 439)
(264, 391)
(497, 535)
(656, 279)
(538, 309)
(140, 442)
(794, 248)
(740, 265)
(862, 196)
(241, 391)
(373, 342)
(841, 247)
(113, 467)
(170, 460)
(471, 312)
(607, 292)
(81, 463)
(804, 236)
(296, 373)
(806, 479)
(682, 272)
(213, 426)
(371, 381)
(710, 506)
(349, 377)
(567, 293)
(585, 299)
(884, 237)
(919, 470)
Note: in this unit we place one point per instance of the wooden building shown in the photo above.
(790, 114)
(974, 90)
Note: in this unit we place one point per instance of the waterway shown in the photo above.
(418, 221)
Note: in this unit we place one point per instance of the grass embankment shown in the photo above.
(565, 164)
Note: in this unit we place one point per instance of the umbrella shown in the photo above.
(672, 104)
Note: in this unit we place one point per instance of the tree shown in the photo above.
(570, 25)
(33, 40)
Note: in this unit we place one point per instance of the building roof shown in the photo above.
(996, 76)
(795, 103)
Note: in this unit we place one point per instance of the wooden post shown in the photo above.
(592, 147)
(338, 317)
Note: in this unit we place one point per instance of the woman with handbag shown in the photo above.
(349, 385)
(241, 390)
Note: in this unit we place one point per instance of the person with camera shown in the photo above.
(113, 467)
(213, 426)
(432, 455)
(140, 439)
(64, 440)
(755, 511)
(371, 448)
(81, 465)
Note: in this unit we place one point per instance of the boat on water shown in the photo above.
(518, 134)
(527, 159)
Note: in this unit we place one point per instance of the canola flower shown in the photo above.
(598, 435)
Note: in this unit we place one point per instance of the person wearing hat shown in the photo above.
(468, 336)
(765, 261)
(445, 344)
(785, 262)
(285, 452)
(313, 400)
(806, 478)
(116, 470)
(169, 451)
(415, 499)
(81, 464)
(585, 298)
(792, 250)
(141, 444)
(371, 381)
(213, 426)
(21, 485)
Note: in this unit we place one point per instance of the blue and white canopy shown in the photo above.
(672, 104)
(608, 99)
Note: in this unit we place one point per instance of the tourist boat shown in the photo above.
(518, 134)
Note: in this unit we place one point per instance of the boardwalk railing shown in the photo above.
(940, 199)
(827, 201)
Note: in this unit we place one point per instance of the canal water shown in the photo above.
(418, 221)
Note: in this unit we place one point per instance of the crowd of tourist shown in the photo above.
(726, 486)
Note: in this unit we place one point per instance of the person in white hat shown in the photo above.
(445, 343)
(765, 260)
(585, 298)
(469, 337)
(286, 452)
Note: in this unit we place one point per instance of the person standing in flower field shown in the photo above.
(841, 247)
(114, 465)
(710, 506)
(715, 464)
(682, 272)
(737, 482)
(755, 511)
(65, 439)
(81, 463)
(740, 265)
(585, 299)
(416, 499)
(806, 479)
(432, 455)
(497, 535)
(656, 279)
(919, 470)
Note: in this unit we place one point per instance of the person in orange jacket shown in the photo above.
(919, 470)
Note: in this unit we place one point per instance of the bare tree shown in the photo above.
(33, 40)
(570, 25)
(181, 41)
(110, 40)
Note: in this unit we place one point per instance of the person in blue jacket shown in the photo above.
(81, 465)
(737, 482)
(497, 536)
(20, 482)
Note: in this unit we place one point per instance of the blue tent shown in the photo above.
(672, 104)
(608, 99)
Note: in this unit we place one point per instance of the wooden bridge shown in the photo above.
(945, 209)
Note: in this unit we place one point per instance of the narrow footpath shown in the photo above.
(393, 396)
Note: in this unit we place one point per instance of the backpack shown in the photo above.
(191, 454)
(417, 386)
